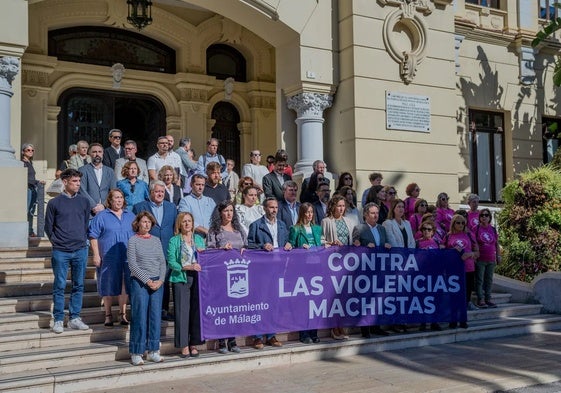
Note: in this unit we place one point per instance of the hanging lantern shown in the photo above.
(140, 13)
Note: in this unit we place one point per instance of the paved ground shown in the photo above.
(496, 365)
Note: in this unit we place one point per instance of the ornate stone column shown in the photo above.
(309, 108)
(13, 176)
(9, 67)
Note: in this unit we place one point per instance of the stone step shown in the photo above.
(27, 275)
(504, 310)
(43, 302)
(22, 321)
(39, 288)
(498, 298)
(25, 263)
(67, 355)
(86, 374)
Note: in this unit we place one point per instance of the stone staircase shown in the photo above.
(33, 359)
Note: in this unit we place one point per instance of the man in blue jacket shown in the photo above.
(268, 233)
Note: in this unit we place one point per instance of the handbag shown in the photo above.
(55, 188)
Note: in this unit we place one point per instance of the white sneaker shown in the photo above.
(137, 360)
(77, 324)
(472, 307)
(155, 357)
(58, 327)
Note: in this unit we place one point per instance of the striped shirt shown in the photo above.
(146, 258)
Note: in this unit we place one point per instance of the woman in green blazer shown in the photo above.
(183, 263)
(305, 234)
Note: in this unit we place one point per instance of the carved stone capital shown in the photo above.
(410, 6)
(9, 68)
(309, 104)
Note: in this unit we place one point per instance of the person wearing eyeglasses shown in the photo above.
(254, 169)
(130, 155)
(460, 239)
(27, 152)
(346, 180)
(443, 212)
(134, 189)
(114, 151)
(489, 256)
(245, 182)
(412, 190)
(473, 212)
(391, 195)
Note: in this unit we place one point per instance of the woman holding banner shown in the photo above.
(226, 233)
(460, 239)
(305, 234)
(183, 263)
(338, 232)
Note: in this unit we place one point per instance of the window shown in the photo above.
(223, 61)
(550, 133)
(485, 3)
(547, 9)
(487, 154)
(106, 46)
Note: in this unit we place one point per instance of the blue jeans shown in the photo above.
(146, 311)
(61, 261)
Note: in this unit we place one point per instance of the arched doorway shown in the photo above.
(88, 115)
(226, 131)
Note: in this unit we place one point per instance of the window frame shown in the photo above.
(492, 131)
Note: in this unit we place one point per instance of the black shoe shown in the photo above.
(366, 335)
(315, 340)
(435, 327)
(422, 327)
(463, 325)
(453, 325)
(379, 331)
(306, 340)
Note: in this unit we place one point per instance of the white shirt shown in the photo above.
(274, 232)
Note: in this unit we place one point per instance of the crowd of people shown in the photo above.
(147, 222)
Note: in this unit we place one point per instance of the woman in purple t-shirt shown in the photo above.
(489, 256)
(412, 190)
(443, 212)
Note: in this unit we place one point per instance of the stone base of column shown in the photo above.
(13, 205)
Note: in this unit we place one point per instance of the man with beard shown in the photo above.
(97, 179)
(213, 188)
(130, 155)
(320, 207)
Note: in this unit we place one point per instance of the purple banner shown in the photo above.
(264, 292)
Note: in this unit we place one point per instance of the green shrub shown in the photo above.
(530, 224)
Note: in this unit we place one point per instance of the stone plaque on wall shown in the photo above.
(407, 112)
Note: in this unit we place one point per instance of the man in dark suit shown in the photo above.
(320, 207)
(165, 214)
(272, 182)
(289, 206)
(97, 179)
(268, 233)
(319, 167)
(112, 153)
(370, 234)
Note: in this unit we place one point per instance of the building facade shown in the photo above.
(446, 93)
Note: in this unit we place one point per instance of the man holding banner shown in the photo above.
(268, 234)
(370, 234)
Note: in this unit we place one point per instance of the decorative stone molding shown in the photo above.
(228, 88)
(190, 94)
(527, 58)
(9, 68)
(118, 71)
(309, 104)
(409, 17)
(458, 39)
(264, 102)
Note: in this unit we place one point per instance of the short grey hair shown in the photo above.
(184, 142)
(289, 183)
(155, 183)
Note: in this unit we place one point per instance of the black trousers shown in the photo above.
(187, 314)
